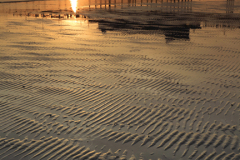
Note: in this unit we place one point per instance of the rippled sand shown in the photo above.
(130, 83)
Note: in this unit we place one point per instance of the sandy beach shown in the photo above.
(139, 81)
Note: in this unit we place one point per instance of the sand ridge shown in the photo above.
(68, 90)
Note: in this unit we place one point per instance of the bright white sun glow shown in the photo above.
(74, 5)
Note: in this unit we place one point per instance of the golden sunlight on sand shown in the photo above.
(119, 80)
(74, 5)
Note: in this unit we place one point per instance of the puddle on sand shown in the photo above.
(143, 79)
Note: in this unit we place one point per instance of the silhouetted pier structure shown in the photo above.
(62, 8)
(165, 5)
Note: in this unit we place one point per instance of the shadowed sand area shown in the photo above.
(133, 80)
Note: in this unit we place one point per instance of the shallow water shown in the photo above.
(139, 79)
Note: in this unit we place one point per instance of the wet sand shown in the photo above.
(124, 83)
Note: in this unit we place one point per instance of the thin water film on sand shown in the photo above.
(120, 79)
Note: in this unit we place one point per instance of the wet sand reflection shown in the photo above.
(181, 14)
(120, 79)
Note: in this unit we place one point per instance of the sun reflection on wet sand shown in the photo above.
(74, 5)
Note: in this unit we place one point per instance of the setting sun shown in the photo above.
(74, 5)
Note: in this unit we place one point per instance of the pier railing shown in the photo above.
(177, 5)
(64, 6)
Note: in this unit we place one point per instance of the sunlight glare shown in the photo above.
(74, 5)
